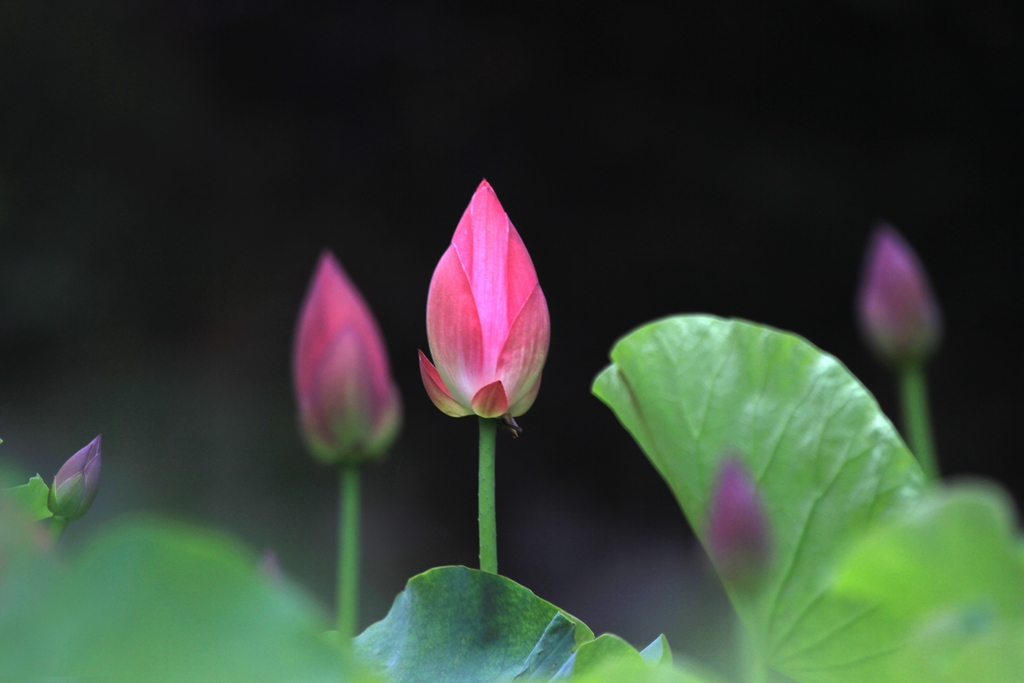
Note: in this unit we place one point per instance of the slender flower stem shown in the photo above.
(917, 421)
(348, 554)
(57, 527)
(754, 669)
(488, 524)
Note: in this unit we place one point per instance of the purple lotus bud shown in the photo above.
(74, 488)
(898, 313)
(737, 536)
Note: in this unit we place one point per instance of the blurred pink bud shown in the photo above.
(898, 313)
(738, 538)
(271, 566)
(75, 486)
(349, 407)
(487, 319)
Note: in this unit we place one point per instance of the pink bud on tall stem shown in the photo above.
(898, 313)
(487, 319)
(349, 407)
(901, 321)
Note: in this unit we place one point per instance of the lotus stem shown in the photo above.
(917, 423)
(348, 554)
(486, 518)
(57, 527)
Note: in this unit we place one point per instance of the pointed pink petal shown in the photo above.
(520, 274)
(522, 358)
(437, 391)
(481, 241)
(388, 422)
(341, 400)
(490, 401)
(523, 404)
(453, 330)
(332, 302)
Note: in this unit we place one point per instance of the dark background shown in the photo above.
(170, 170)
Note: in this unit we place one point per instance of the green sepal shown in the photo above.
(32, 498)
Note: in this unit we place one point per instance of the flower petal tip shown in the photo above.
(437, 391)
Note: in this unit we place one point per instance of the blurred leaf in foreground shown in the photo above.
(150, 600)
(948, 575)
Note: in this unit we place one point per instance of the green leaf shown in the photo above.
(947, 584)
(32, 497)
(658, 652)
(619, 671)
(156, 601)
(604, 649)
(457, 624)
(827, 461)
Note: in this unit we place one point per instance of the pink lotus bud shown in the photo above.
(271, 566)
(487, 319)
(898, 313)
(75, 486)
(737, 537)
(349, 407)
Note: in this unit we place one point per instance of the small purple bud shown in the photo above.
(74, 488)
(738, 538)
(898, 313)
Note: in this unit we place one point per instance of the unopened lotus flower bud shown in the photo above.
(898, 313)
(487, 319)
(75, 486)
(349, 406)
(271, 566)
(738, 537)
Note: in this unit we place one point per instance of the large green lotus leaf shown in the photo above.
(456, 624)
(156, 601)
(948, 576)
(826, 459)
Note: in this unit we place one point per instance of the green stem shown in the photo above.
(57, 527)
(754, 669)
(348, 554)
(917, 423)
(486, 519)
